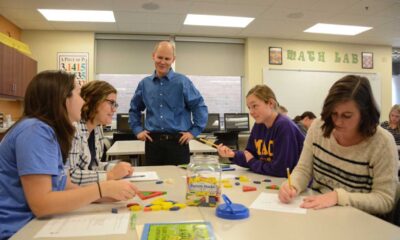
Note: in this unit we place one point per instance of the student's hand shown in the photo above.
(185, 138)
(144, 136)
(224, 151)
(120, 170)
(120, 190)
(286, 193)
(320, 201)
(248, 155)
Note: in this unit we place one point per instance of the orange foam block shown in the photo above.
(149, 194)
(248, 188)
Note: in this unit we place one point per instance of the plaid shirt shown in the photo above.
(79, 156)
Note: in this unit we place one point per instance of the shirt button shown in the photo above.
(161, 84)
(160, 94)
(161, 105)
(161, 116)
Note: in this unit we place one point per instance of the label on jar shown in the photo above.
(202, 191)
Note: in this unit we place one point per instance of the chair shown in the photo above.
(396, 214)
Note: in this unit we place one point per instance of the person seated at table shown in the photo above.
(393, 125)
(350, 159)
(275, 142)
(33, 180)
(304, 121)
(88, 147)
(282, 110)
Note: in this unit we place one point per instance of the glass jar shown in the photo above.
(203, 181)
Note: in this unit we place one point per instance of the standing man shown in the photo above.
(171, 102)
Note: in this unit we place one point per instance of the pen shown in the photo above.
(136, 176)
(288, 177)
(208, 142)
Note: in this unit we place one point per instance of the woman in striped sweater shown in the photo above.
(350, 159)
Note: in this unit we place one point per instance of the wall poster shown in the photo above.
(76, 63)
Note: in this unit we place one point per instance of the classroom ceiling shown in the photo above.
(285, 19)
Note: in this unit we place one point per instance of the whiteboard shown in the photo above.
(222, 94)
(301, 90)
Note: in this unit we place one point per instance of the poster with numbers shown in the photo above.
(74, 63)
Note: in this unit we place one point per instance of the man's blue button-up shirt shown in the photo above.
(170, 102)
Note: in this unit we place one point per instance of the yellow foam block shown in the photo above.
(156, 207)
(243, 179)
(135, 208)
(225, 181)
(227, 185)
(158, 201)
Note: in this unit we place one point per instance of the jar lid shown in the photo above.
(230, 210)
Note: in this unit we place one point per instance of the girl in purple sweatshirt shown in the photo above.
(275, 142)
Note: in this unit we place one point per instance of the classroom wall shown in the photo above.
(46, 44)
(257, 52)
(256, 56)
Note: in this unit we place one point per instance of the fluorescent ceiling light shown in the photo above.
(337, 29)
(77, 15)
(217, 21)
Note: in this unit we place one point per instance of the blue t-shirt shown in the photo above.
(30, 147)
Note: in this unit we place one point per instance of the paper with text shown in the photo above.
(270, 201)
(85, 225)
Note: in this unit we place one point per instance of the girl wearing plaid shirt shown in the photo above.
(88, 144)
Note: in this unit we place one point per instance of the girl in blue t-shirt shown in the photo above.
(33, 180)
(275, 142)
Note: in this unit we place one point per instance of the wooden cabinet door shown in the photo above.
(16, 71)
(29, 70)
(1, 68)
(7, 69)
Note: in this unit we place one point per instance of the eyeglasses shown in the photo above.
(113, 103)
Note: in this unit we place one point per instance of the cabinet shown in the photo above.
(16, 71)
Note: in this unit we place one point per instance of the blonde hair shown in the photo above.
(395, 107)
(264, 93)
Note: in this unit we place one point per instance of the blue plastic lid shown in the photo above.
(230, 210)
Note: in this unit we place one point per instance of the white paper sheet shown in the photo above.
(270, 201)
(143, 176)
(86, 225)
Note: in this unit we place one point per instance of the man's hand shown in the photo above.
(144, 136)
(185, 138)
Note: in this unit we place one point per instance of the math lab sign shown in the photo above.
(76, 63)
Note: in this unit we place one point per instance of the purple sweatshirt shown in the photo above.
(274, 149)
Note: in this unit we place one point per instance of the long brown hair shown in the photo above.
(45, 99)
(358, 89)
(94, 93)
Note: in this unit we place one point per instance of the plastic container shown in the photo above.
(231, 211)
(203, 181)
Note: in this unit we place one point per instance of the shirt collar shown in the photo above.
(169, 75)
